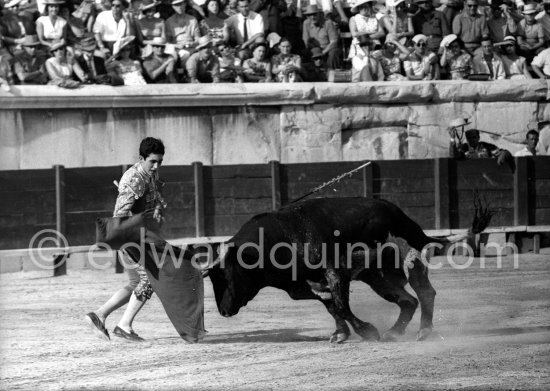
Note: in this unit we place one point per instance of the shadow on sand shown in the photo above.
(264, 336)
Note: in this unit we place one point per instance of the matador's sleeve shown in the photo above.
(130, 189)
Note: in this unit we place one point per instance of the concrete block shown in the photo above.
(509, 120)
(247, 135)
(10, 139)
(186, 132)
(427, 142)
(375, 144)
(310, 134)
(441, 114)
(11, 263)
(373, 116)
(48, 135)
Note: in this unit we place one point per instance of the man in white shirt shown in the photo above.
(110, 27)
(531, 139)
(244, 28)
(543, 18)
(541, 64)
(487, 62)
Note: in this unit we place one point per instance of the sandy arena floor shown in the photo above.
(493, 332)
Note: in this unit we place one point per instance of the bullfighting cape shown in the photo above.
(177, 283)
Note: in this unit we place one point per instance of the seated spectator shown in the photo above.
(149, 25)
(126, 68)
(110, 27)
(214, 21)
(515, 66)
(455, 59)
(12, 29)
(487, 62)
(430, 23)
(531, 141)
(530, 33)
(92, 66)
(470, 26)
(292, 26)
(543, 18)
(391, 56)
(182, 30)
(322, 33)
(230, 66)
(285, 66)
(475, 149)
(62, 70)
(500, 23)
(51, 28)
(84, 15)
(6, 75)
(257, 68)
(159, 66)
(364, 23)
(399, 22)
(203, 66)
(316, 70)
(363, 66)
(421, 64)
(29, 68)
(541, 64)
(243, 29)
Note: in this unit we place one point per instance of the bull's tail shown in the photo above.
(406, 228)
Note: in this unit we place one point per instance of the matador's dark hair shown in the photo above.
(150, 145)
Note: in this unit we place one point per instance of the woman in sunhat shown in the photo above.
(391, 58)
(455, 59)
(128, 69)
(258, 68)
(515, 66)
(421, 64)
(51, 27)
(61, 70)
(398, 22)
(149, 25)
(364, 23)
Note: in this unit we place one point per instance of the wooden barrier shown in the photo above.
(217, 200)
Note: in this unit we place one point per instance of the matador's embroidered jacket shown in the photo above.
(138, 191)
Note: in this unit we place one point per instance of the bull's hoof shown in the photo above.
(368, 332)
(390, 336)
(338, 337)
(423, 334)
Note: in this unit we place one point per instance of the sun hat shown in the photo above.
(53, 2)
(455, 123)
(419, 37)
(88, 43)
(311, 9)
(529, 9)
(157, 41)
(445, 42)
(355, 8)
(148, 4)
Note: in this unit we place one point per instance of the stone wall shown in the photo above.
(254, 123)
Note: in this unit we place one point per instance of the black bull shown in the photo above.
(301, 249)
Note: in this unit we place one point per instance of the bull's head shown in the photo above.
(234, 285)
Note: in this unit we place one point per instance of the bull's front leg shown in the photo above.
(339, 282)
(420, 283)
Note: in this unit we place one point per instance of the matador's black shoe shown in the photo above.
(97, 326)
(130, 336)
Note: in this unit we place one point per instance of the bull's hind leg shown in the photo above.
(391, 287)
(420, 283)
(338, 282)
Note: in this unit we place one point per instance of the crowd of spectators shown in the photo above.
(69, 42)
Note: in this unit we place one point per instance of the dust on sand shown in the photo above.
(492, 331)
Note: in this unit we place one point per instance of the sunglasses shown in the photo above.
(471, 5)
(421, 44)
